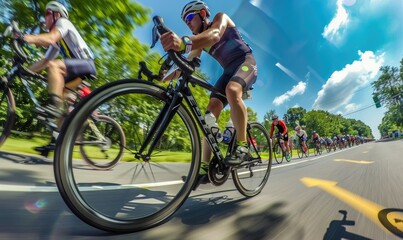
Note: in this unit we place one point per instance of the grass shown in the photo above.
(23, 145)
(26, 146)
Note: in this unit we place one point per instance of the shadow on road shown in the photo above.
(23, 159)
(337, 229)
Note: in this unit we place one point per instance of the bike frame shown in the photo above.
(182, 92)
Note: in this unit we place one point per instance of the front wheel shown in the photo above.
(7, 113)
(155, 176)
(102, 142)
(251, 176)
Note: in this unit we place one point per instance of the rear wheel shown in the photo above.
(7, 113)
(300, 151)
(251, 176)
(149, 184)
(102, 142)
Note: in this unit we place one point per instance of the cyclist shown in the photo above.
(64, 39)
(221, 39)
(282, 129)
(316, 139)
(301, 134)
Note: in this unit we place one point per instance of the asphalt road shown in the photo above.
(355, 193)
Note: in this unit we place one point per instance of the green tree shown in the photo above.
(389, 89)
(107, 26)
(294, 117)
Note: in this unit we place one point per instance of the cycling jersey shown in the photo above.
(230, 47)
(78, 56)
(282, 128)
(72, 44)
(235, 56)
(302, 135)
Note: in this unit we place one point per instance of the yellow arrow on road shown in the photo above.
(354, 161)
(366, 207)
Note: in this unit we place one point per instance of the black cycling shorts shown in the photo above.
(79, 68)
(243, 71)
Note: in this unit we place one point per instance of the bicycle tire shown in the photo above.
(7, 113)
(250, 178)
(97, 153)
(300, 151)
(134, 198)
(276, 153)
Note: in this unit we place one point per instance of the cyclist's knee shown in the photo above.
(233, 90)
(56, 65)
(215, 106)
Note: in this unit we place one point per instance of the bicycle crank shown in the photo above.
(218, 175)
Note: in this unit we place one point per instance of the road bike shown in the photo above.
(163, 126)
(279, 149)
(101, 140)
(300, 150)
(317, 147)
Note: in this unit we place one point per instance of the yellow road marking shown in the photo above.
(354, 161)
(365, 152)
(366, 207)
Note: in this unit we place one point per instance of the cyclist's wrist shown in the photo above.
(186, 44)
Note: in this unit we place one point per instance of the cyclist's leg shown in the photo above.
(287, 148)
(244, 76)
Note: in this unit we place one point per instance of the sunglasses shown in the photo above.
(190, 16)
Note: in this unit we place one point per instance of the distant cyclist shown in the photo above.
(282, 129)
(64, 39)
(316, 139)
(302, 137)
(328, 141)
(221, 39)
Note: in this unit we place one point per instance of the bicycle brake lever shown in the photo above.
(155, 36)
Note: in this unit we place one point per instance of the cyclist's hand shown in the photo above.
(171, 41)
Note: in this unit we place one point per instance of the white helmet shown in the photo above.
(194, 6)
(57, 7)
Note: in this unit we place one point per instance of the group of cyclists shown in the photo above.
(338, 141)
(218, 36)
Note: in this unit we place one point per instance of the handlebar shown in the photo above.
(16, 43)
(147, 72)
(187, 66)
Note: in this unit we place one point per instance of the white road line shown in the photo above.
(26, 188)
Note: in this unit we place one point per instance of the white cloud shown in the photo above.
(297, 89)
(340, 87)
(335, 30)
(351, 107)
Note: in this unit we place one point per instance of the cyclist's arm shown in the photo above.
(205, 39)
(44, 39)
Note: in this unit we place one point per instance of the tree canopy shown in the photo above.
(389, 90)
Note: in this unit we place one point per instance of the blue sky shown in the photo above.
(317, 54)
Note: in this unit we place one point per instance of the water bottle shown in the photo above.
(213, 126)
(228, 132)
